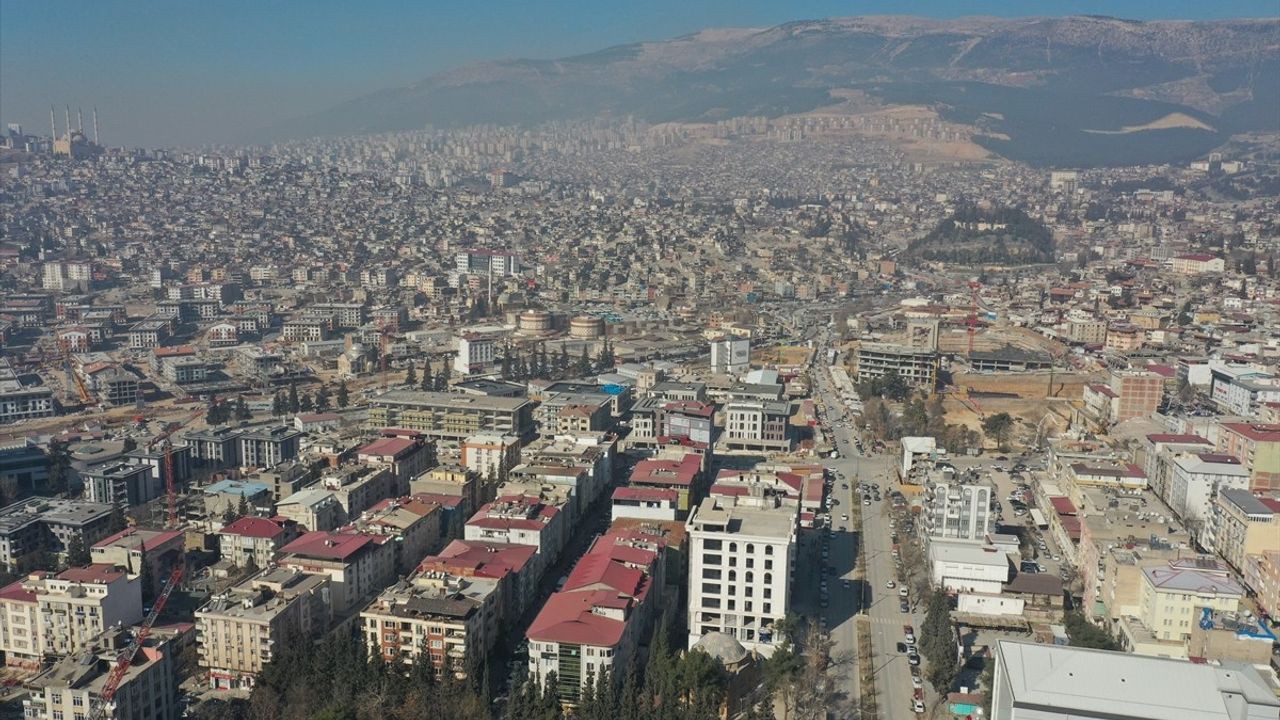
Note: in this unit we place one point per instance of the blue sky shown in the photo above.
(176, 71)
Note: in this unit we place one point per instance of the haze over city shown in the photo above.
(198, 74)
(668, 361)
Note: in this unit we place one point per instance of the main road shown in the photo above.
(892, 673)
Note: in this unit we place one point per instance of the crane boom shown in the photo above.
(171, 494)
(125, 658)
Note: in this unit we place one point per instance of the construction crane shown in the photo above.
(171, 495)
(125, 658)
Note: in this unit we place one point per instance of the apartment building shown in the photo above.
(757, 426)
(451, 416)
(357, 487)
(1257, 446)
(405, 456)
(19, 401)
(358, 565)
(119, 482)
(657, 422)
(314, 508)
(598, 619)
(475, 353)
(1241, 524)
(449, 621)
(1262, 577)
(413, 523)
(132, 548)
(253, 541)
(741, 558)
(1174, 595)
(1160, 450)
(1197, 479)
(45, 614)
(40, 524)
(487, 454)
(958, 512)
(68, 688)
(521, 520)
(238, 630)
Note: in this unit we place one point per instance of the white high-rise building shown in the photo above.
(475, 353)
(958, 512)
(741, 557)
(730, 355)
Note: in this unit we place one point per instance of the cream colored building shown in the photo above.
(1240, 525)
(1173, 596)
(237, 630)
(451, 620)
(71, 610)
(69, 687)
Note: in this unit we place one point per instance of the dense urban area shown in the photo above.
(786, 418)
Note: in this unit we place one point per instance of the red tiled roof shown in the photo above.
(488, 559)
(254, 527)
(1062, 505)
(15, 591)
(1257, 432)
(328, 546)
(667, 472)
(387, 446)
(567, 617)
(644, 493)
(446, 501)
(97, 573)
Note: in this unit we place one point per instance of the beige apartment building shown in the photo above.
(452, 621)
(237, 630)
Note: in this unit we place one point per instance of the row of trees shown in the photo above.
(538, 364)
(938, 643)
(291, 401)
(222, 412)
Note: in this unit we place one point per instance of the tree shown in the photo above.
(323, 400)
(242, 507)
(117, 521)
(428, 377)
(242, 409)
(442, 379)
(999, 427)
(1083, 633)
(128, 445)
(294, 404)
(59, 458)
(343, 398)
(584, 363)
(306, 403)
(279, 405)
(411, 375)
(77, 553)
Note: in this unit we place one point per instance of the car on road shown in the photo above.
(916, 682)
(917, 706)
(891, 585)
(845, 517)
(913, 659)
(866, 501)
(909, 634)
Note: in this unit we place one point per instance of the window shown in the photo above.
(768, 549)
(711, 560)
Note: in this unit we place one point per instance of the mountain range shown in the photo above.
(1070, 91)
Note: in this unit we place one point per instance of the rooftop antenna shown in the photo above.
(95, 126)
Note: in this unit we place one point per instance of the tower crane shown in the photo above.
(973, 312)
(125, 658)
(171, 495)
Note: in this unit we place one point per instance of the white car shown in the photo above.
(891, 585)
(917, 707)
(916, 682)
